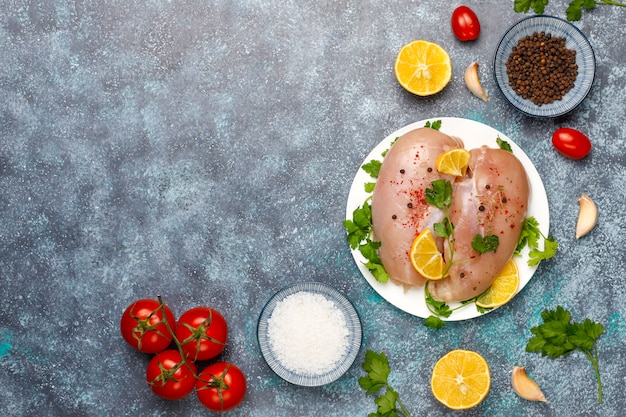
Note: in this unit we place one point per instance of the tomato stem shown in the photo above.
(179, 346)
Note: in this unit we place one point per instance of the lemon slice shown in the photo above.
(461, 379)
(453, 162)
(502, 289)
(423, 68)
(425, 257)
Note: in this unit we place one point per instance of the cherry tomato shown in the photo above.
(202, 331)
(169, 377)
(465, 24)
(571, 143)
(221, 386)
(143, 328)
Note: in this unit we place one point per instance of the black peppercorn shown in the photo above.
(541, 69)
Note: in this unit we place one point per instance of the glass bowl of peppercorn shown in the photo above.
(544, 66)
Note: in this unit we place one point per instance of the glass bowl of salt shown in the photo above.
(309, 333)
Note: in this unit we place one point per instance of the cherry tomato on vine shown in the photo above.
(202, 331)
(169, 377)
(221, 386)
(571, 143)
(143, 328)
(465, 24)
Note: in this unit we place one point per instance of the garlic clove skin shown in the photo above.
(587, 216)
(473, 83)
(524, 386)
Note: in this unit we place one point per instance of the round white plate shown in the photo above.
(474, 134)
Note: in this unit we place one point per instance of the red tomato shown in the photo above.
(202, 331)
(571, 143)
(465, 24)
(143, 328)
(221, 386)
(169, 377)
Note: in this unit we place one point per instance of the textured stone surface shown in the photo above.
(204, 150)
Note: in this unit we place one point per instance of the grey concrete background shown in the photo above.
(204, 150)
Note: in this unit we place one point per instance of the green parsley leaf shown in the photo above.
(434, 322)
(557, 337)
(369, 187)
(444, 228)
(484, 244)
(440, 308)
(504, 145)
(530, 236)
(434, 125)
(440, 195)
(359, 228)
(573, 11)
(550, 247)
(378, 271)
(522, 6)
(377, 368)
(372, 167)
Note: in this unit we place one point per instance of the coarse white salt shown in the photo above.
(308, 333)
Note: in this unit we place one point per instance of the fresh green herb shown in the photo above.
(440, 195)
(522, 6)
(360, 227)
(558, 337)
(503, 144)
(531, 235)
(442, 309)
(372, 167)
(573, 12)
(369, 187)
(484, 244)
(434, 125)
(444, 229)
(434, 322)
(360, 236)
(377, 367)
(439, 308)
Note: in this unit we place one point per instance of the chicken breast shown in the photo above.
(399, 210)
(491, 200)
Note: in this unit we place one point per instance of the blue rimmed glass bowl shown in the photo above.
(574, 40)
(353, 324)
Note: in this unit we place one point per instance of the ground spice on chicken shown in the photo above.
(541, 69)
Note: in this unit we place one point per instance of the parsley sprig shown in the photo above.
(377, 367)
(573, 12)
(530, 236)
(359, 228)
(360, 236)
(558, 337)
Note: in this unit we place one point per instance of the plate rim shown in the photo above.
(503, 85)
(353, 321)
(388, 295)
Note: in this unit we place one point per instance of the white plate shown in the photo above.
(474, 134)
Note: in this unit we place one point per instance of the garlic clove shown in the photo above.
(473, 83)
(587, 216)
(524, 386)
